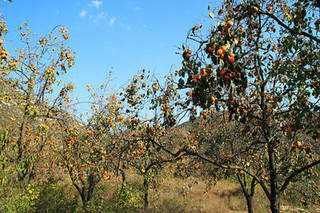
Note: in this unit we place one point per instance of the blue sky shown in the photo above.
(119, 35)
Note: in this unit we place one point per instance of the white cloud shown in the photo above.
(137, 8)
(125, 26)
(83, 13)
(111, 22)
(99, 16)
(95, 3)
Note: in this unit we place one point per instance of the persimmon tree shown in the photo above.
(259, 62)
(29, 76)
(225, 144)
(91, 148)
(155, 135)
(145, 155)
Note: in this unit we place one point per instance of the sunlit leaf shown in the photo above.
(211, 14)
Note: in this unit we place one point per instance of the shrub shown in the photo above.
(55, 196)
(18, 200)
(125, 199)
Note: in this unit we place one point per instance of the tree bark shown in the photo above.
(123, 175)
(249, 204)
(275, 196)
(247, 195)
(146, 193)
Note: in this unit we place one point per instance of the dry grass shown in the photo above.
(192, 195)
(196, 197)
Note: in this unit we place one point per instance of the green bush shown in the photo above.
(55, 196)
(125, 199)
(15, 199)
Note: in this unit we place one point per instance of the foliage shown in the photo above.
(27, 81)
(256, 64)
(54, 196)
(250, 84)
(14, 199)
(125, 199)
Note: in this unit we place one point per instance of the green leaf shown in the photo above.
(221, 63)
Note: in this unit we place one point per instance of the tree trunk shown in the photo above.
(275, 194)
(247, 195)
(83, 198)
(82, 193)
(22, 172)
(91, 187)
(249, 204)
(146, 192)
(123, 175)
(275, 205)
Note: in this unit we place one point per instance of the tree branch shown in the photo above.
(295, 173)
(184, 151)
(289, 29)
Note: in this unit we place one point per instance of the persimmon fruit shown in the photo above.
(298, 144)
(219, 51)
(135, 134)
(230, 59)
(222, 72)
(230, 23)
(187, 55)
(223, 48)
